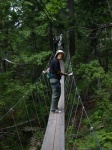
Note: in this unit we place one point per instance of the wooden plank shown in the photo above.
(60, 119)
(59, 138)
(48, 143)
(54, 137)
(52, 116)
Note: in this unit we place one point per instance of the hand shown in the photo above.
(43, 72)
(66, 74)
(70, 74)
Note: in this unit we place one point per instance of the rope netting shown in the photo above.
(27, 118)
(78, 124)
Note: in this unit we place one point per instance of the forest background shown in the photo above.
(26, 31)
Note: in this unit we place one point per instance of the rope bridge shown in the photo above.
(31, 121)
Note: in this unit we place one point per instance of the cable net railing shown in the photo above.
(23, 126)
(78, 125)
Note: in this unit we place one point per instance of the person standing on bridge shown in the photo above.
(55, 76)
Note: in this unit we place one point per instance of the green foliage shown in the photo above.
(105, 139)
(36, 59)
(10, 144)
(54, 6)
(89, 74)
(39, 135)
(88, 140)
(90, 71)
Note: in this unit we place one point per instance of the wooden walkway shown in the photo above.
(54, 138)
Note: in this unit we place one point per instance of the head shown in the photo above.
(59, 54)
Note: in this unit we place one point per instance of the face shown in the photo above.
(59, 56)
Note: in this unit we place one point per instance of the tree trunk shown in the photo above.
(71, 23)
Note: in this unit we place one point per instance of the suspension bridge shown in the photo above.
(35, 128)
(36, 123)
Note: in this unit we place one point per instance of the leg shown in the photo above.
(56, 91)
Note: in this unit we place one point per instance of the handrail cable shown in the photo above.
(83, 111)
(24, 95)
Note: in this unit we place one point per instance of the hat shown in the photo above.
(59, 51)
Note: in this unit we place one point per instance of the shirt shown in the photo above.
(54, 67)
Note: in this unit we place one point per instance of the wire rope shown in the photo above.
(12, 108)
(84, 111)
(36, 110)
(79, 123)
(16, 129)
(91, 127)
(71, 108)
(25, 95)
(28, 115)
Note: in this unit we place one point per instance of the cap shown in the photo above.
(59, 51)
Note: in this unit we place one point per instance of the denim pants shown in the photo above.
(56, 92)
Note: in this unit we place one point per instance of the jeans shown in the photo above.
(56, 92)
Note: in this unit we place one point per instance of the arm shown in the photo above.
(61, 73)
(47, 70)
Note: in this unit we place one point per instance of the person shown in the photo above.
(55, 76)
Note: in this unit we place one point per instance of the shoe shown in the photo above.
(57, 111)
(52, 111)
